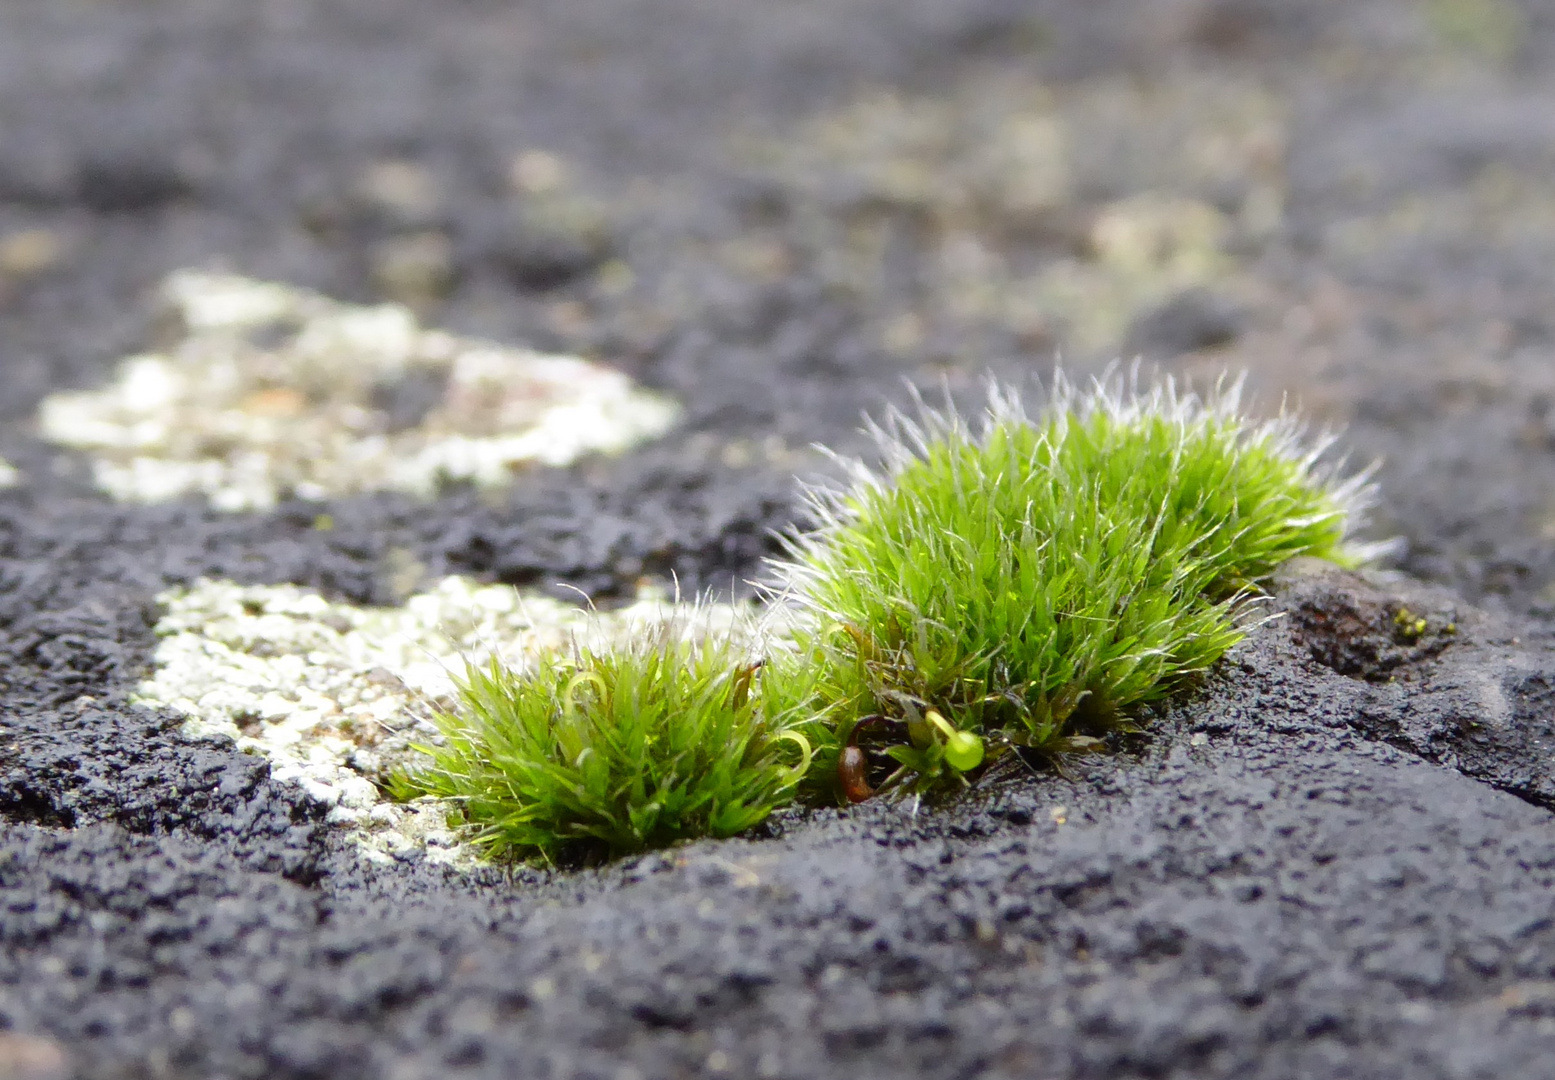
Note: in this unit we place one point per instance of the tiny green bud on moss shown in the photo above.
(963, 750)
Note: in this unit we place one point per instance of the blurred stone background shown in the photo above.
(791, 207)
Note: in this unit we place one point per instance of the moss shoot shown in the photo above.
(610, 752)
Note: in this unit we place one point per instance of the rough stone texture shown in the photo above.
(1266, 888)
(1334, 861)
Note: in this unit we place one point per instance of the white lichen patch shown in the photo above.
(336, 695)
(263, 391)
(9, 477)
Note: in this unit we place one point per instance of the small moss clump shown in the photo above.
(1034, 580)
(610, 752)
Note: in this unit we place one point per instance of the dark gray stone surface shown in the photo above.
(1334, 860)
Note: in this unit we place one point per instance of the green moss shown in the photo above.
(602, 754)
(1024, 584)
(1037, 579)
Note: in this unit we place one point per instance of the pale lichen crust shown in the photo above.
(264, 391)
(334, 695)
(9, 477)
